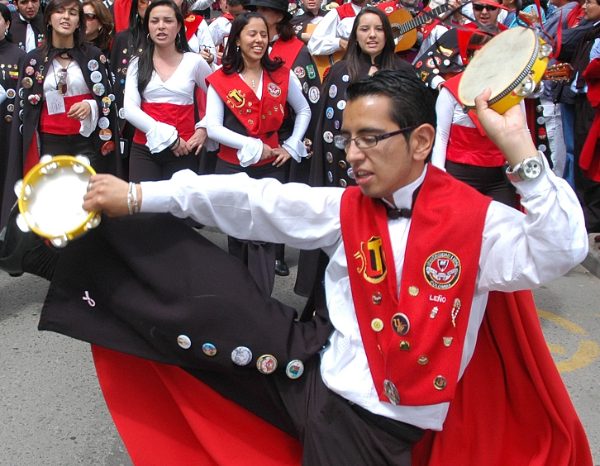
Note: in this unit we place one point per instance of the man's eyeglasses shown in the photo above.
(90, 16)
(480, 7)
(342, 142)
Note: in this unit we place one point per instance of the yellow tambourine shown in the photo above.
(50, 199)
(511, 64)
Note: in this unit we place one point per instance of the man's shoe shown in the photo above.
(281, 268)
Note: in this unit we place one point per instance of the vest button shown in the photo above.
(423, 360)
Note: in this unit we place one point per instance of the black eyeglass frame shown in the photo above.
(366, 142)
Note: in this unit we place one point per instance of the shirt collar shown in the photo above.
(403, 198)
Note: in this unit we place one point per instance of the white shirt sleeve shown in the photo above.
(295, 143)
(88, 124)
(249, 149)
(201, 72)
(324, 40)
(266, 210)
(218, 30)
(523, 251)
(205, 39)
(159, 136)
(2, 94)
(444, 109)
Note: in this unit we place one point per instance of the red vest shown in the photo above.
(260, 118)
(345, 11)
(287, 50)
(192, 23)
(414, 341)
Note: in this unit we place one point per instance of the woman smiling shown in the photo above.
(247, 99)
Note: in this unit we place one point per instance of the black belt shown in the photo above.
(398, 429)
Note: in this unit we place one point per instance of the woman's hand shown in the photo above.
(180, 148)
(80, 111)
(197, 140)
(208, 57)
(108, 194)
(281, 156)
(267, 152)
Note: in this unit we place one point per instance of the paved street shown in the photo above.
(52, 412)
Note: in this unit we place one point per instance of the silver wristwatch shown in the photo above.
(528, 169)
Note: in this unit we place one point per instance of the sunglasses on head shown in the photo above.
(481, 7)
(90, 16)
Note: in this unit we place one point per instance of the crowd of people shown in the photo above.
(339, 141)
(150, 125)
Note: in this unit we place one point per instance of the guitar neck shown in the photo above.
(423, 18)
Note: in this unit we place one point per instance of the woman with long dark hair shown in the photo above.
(370, 49)
(295, 55)
(65, 100)
(99, 24)
(247, 99)
(159, 97)
(9, 77)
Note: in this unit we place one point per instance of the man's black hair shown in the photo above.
(413, 103)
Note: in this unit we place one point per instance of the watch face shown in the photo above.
(531, 169)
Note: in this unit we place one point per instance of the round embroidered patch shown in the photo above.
(442, 270)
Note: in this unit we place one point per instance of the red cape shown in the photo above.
(589, 159)
(516, 410)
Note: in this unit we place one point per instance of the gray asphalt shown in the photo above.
(52, 411)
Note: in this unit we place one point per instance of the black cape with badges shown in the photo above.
(9, 75)
(328, 165)
(303, 19)
(142, 301)
(24, 134)
(123, 50)
(18, 29)
(305, 70)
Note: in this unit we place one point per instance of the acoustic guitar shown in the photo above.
(404, 25)
(323, 62)
(559, 72)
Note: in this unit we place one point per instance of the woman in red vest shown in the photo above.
(159, 98)
(248, 99)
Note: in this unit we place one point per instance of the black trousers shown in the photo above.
(259, 257)
(76, 144)
(490, 181)
(332, 430)
(145, 166)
